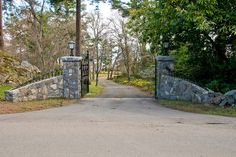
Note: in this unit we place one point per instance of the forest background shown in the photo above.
(201, 34)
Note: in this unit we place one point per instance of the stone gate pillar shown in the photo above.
(71, 77)
(164, 65)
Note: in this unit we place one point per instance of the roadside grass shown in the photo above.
(143, 84)
(94, 90)
(10, 107)
(3, 88)
(198, 108)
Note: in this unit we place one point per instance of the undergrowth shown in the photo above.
(145, 84)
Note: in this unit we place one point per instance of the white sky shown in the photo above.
(104, 8)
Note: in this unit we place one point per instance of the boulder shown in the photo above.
(14, 72)
(31, 68)
(3, 77)
(228, 99)
(214, 98)
(216, 101)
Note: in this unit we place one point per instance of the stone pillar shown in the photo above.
(164, 65)
(71, 77)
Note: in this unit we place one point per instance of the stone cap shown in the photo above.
(71, 58)
(165, 58)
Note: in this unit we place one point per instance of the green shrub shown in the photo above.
(220, 86)
(214, 85)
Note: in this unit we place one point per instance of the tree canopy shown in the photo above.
(202, 34)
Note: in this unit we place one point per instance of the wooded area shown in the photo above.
(200, 34)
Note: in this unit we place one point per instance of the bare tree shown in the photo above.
(40, 35)
(96, 30)
(119, 33)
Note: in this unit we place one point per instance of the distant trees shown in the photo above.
(201, 34)
(97, 32)
(40, 35)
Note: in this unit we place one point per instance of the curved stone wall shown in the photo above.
(178, 89)
(169, 87)
(48, 88)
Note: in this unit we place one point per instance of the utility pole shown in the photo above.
(78, 28)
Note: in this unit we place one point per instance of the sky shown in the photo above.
(105, 9)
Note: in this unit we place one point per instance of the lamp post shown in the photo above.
(166, 46)
(71, 46)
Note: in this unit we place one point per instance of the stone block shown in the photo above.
(33, 91)
(53, 86)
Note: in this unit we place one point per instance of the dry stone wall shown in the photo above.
(68, 85)
(170, 87)
(178, 89)
(48, 88)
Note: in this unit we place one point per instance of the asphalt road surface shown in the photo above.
(122, 122)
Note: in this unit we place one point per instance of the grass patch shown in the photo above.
(94, 90)
(145, 85)
(199, 108)
(3, 88)
(103, 74)
(10, 107)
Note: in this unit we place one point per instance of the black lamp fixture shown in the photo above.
(166, 44)
(71, 46)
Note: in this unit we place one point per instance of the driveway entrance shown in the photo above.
(122, 122)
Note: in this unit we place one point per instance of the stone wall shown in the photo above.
(48, 88)
(68, 85)
(178, 89)
(169, 87)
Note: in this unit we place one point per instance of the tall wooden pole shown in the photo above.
(78, 28)
(1, 28)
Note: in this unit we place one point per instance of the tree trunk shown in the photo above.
(97, 73)
(129, 74)
(1, 28)
(111, 74)
(113, 66)
(108, 73)
(128, 64)
(78, 27)
(97, 70)
(93, 75)
(93, 70)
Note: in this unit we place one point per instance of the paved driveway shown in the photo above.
(122, 122)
